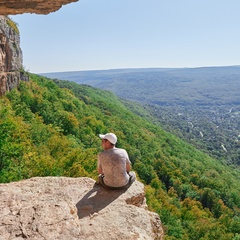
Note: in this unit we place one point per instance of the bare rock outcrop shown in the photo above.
(74, 208)
(10, 56)
(11, 7)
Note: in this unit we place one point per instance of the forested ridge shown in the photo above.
(50, 128)
(199, 105)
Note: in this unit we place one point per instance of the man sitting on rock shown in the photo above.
(114, 164)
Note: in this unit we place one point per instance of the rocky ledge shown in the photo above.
(74, 208)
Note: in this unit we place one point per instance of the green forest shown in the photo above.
(199, 105)
(50, 128)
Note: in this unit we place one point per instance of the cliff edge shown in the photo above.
(74, 208)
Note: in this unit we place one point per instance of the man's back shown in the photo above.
(113, 163)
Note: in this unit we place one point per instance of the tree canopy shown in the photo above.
(50, 128)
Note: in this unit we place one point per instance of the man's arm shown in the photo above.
(99, 167)
(128, 167)
(100, 170)
(128, 162)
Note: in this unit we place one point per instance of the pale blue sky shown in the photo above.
(110, 34)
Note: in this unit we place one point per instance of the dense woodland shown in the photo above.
(50, 128)
(199, 105)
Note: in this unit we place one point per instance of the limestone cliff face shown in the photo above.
(60, 208)
(11, 7)
(10, 56)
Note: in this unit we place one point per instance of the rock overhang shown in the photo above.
(13, 7)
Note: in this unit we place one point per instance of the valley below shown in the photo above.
(199, 105)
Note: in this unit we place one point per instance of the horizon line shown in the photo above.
(138, 68)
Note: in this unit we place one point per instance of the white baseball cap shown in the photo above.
(111, 137)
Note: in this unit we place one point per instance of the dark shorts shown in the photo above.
(132, 178)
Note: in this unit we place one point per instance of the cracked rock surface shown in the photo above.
(74, 208)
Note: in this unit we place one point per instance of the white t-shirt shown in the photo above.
(113, 163)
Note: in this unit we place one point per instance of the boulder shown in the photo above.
(74, 208)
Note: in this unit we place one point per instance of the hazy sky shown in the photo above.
(109, 34)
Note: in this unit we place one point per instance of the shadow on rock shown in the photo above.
(96, 199)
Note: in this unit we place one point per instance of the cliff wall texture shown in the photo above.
(75, 208)
(10, 55)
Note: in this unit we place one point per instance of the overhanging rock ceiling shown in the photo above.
(13, 7)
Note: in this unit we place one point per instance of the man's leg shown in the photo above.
(100, 179)
(132, 177)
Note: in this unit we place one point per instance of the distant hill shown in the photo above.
(184, 86)
(200, 105)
